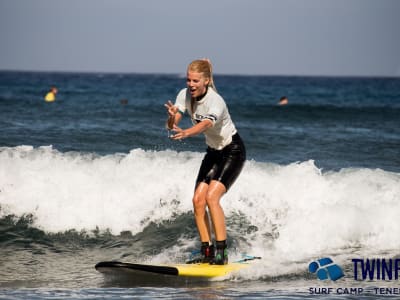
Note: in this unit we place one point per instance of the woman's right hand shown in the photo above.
(171, 109)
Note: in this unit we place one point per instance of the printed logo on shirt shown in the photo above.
(198, 118)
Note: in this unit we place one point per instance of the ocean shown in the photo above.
(93, 176)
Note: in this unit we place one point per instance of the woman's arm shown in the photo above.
(174, 116)
(192, 131)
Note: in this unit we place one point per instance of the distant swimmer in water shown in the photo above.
(51, 95)
(283, 101)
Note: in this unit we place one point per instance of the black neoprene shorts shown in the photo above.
(223, 165)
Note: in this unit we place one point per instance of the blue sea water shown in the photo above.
(91, 177)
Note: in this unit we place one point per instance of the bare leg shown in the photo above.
(213, 196)
(200, 213)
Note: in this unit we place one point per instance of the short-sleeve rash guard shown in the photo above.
(213, 107)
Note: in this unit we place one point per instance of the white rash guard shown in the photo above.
(213, 107)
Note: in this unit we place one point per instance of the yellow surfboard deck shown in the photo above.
(207, 270)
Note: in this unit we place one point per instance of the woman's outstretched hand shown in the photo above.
(179, 133)
(171, 108)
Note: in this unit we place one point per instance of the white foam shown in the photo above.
(307, 212)
(75, 191)
(315, 214)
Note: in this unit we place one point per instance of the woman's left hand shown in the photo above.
(180, 133)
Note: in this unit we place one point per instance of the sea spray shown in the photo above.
(288, 214)
(81, 191)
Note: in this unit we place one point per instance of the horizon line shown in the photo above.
(183, 74)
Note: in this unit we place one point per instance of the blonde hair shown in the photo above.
(203, 66)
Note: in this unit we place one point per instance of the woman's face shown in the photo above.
(196, 83)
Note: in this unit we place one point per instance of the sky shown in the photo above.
(249, 37)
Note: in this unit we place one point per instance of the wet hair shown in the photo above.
(203, 66)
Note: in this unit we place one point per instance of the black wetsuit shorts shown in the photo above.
(223, 165)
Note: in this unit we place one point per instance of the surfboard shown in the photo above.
(198, 270)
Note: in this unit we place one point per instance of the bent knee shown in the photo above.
(199, 202)
(215, 193)
(212, 199)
